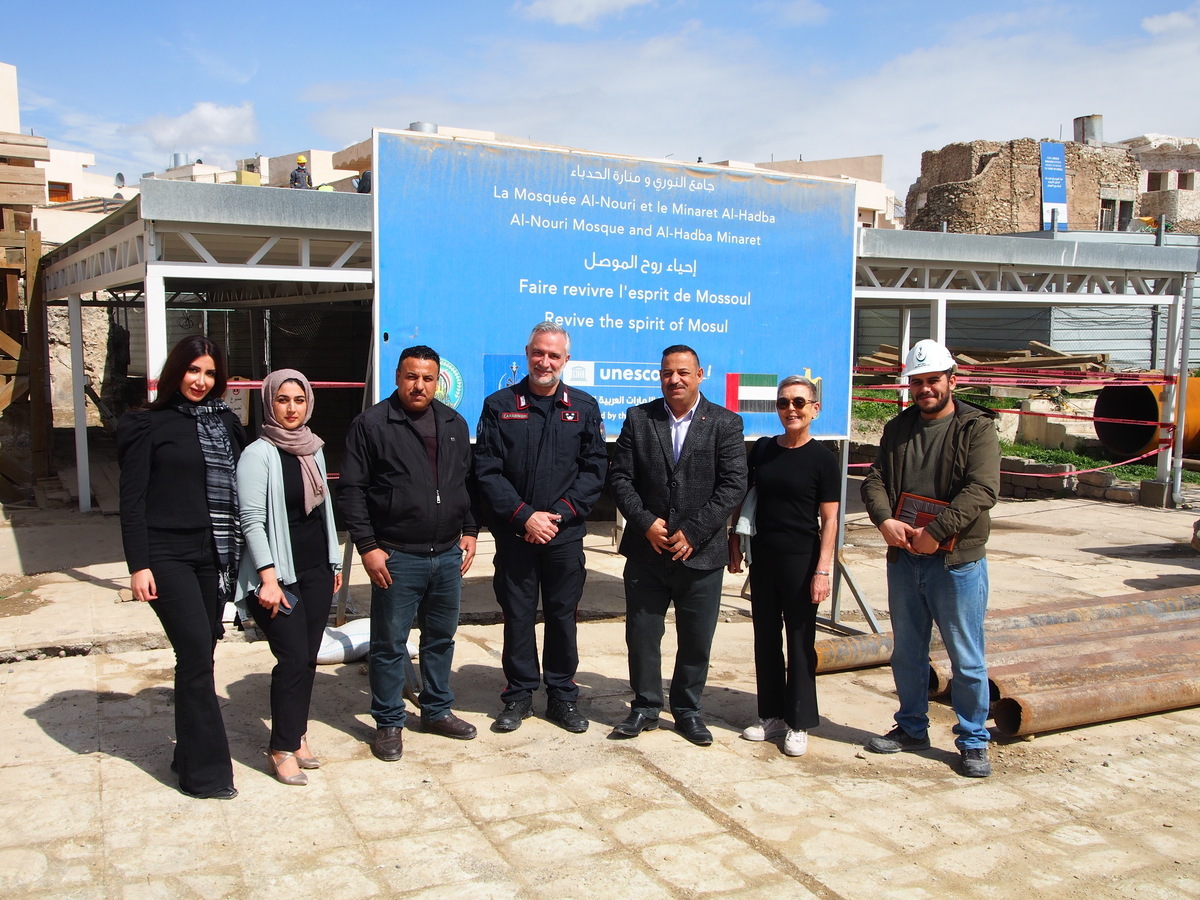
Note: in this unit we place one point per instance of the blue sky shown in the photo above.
(742, 79)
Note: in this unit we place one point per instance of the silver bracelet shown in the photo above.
(818, 572)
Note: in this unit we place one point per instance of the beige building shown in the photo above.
(1167, 184)
(876, 202)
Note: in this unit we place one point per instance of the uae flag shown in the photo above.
(750, 393)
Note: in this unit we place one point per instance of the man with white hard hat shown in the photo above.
(929, 491)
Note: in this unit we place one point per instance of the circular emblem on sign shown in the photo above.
(450, 384)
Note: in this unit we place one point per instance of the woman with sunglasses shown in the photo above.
(179, 526)
(290, 570)
(791, 564)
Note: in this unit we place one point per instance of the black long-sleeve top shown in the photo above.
(162, 474)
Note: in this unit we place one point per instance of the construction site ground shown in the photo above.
(88, 806)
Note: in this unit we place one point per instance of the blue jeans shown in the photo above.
(426, 587)
(922, 590)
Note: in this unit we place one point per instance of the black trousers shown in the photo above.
(557, 572)
(185, 575)
(295, 640)
(649, 592)
(781, 603)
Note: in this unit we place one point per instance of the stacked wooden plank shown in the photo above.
(1037, 356)
(22, 183)
(22, 313)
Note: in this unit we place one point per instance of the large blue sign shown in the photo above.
(1054, 185)
(476, 242)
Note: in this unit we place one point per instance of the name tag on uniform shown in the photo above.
(569, 416)
(514, 415)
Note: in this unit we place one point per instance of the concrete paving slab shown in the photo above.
(88, 807)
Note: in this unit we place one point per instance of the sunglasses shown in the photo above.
(798, 402)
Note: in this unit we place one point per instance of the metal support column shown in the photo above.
(1189, 283)
(156, 329)
(1171, 391)
(79, 401)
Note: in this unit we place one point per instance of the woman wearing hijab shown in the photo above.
(179, 527)
(289, 573)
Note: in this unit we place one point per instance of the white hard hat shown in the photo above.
(927, 356)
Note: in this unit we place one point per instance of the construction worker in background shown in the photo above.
(300, 176)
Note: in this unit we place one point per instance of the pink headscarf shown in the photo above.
(300, 442)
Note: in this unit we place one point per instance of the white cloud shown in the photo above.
(794, 12)
(205, 130)
(576, 12)
(216, 134)
(699, 92)
(1172, 20)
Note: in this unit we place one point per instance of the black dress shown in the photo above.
(792, 484)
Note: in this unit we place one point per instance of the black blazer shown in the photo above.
(697, 494)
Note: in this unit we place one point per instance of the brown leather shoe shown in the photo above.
(388, 743)
(450, 726)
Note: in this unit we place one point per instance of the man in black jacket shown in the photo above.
(678, 472)
(541, 462)
(407, 497)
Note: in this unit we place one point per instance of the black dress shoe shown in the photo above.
(692, 728)
(388, 743)
(450, 726)
(225, 793)
(514, 711)
(635, 723)
(566, 714)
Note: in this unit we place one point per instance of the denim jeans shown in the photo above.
(922, 590)
(426, 587)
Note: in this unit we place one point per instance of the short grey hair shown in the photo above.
(813, 391)
(548, 328)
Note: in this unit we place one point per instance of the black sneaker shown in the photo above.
(514, 711)
(975, 763)
(566, 714)
(896, 740)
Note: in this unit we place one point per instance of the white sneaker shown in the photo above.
(796, 743)
(765, 730)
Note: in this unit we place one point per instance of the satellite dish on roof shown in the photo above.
(119, 180)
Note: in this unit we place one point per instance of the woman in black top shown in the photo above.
(179, 525)
(795, 529)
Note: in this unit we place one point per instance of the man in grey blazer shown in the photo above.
(678, 472)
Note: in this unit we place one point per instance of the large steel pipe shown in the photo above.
(1034, 712)
(1092, 609)
(1143, 403)
(1034, 652)
(1094, 668)
(856, 651)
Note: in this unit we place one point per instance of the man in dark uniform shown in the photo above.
(541, 462)
(300, 177)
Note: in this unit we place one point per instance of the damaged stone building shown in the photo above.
(994, 187)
